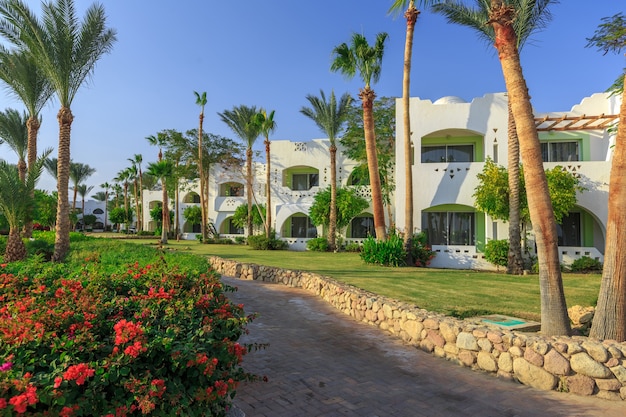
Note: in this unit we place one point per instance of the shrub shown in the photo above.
(586, 264)
(497, 252)
(421, 252)
(240, 240)
(261, 242)
(40, 247)
(318, 244)
(99, 336)
(353, 247)
(388, 252)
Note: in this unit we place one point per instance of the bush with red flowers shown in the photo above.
(100, 335)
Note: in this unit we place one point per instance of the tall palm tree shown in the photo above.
(83, 190)
(106, 186)
(410, 15)
(501, 17)
(241, 120)
(267, 125)
(136, 162)
(66, 50)
(360, 57)
(330, 115)
(201, 101)
(15, 199)
(14, 133)
(79, 172)
(609, 321)
(532, 15)
(28, 83)
(163, 170)
(123, 178)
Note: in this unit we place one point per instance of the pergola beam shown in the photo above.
(568, 123)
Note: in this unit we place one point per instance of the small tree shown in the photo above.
(349, 204)
(89, 220)
(240, 218)
(193, 215)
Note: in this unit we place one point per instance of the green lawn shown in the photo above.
(453, 292)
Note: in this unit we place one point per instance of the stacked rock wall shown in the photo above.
(578, 365)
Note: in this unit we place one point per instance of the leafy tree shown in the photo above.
(242, 121)
(609, 321)
(491, 194)
(348, 206)
(89, 220)
(193, 214)
(66, 51)
(45, 208)
(240, 217)
(360, 57)
(501, 18)
(330, 116)
(118, 215)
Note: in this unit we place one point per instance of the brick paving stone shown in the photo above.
(321, 362)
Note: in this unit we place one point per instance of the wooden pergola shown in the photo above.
(581, 122)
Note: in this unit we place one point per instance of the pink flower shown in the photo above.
(6, 366)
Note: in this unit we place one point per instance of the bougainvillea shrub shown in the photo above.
(118, 330)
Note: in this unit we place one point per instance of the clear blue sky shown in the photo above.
(273, 53)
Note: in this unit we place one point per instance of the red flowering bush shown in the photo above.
(102, 336)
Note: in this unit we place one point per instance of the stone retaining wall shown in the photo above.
(577, 364)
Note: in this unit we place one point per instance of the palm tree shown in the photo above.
(532, 15)
(241, 121)
(330, 116)
(502, 16)
(609, 321)
(66, 50)
(367, 60)
(83, 190)
(411, 14)
(15, 199)
(163, 170)
(136, 160)
(159, 140)
(106, 186)
(123, 177)
(14, 133)
(201, 101)
(78, 174)
(27, 82)
(51, 165)
(268, 125)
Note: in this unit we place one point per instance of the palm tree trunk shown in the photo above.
(62, 238)
(332, 221)
(367, 96)
(515, 263)
(609, 321)
(203, 211)
(249, 188)
(15, 250)
(165, 215)
(140, 213)
(411, 15)
(268, 190)
(32, 125)
(554, 318)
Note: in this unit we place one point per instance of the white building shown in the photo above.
(451, 141)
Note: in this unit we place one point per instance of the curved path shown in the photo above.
(321, 362)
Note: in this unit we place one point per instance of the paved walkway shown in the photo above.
(321, 362)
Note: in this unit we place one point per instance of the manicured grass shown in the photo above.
(453, 292)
